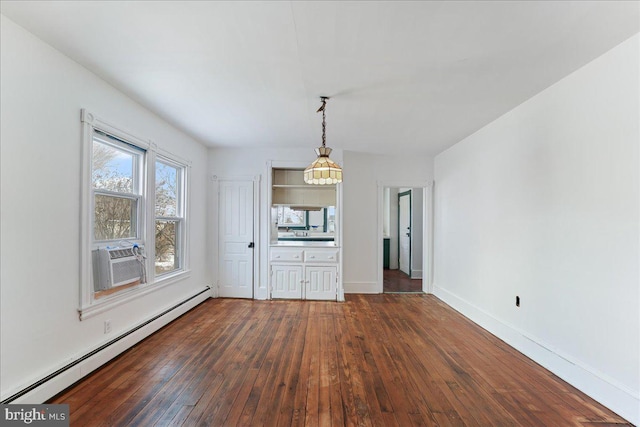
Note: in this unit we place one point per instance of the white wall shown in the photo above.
(41, 97)
(362, 174)
(543, 204)
(360, 203)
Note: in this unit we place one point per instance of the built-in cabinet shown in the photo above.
(290, 189)
(306, 266)
(304, 273)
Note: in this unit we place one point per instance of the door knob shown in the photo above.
(251, 245)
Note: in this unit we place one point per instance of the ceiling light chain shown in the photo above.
(324, 122)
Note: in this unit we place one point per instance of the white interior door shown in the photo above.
(235, 242)
(404, 231)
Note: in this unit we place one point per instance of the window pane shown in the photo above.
(112, 168)
(114, 217)
(166, 246)
(291, 217)
(166, 190)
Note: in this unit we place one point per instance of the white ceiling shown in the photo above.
(416, 76)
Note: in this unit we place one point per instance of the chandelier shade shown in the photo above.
(323, 170)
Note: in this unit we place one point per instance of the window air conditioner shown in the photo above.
(115, 267)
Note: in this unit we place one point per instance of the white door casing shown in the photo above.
(235, 244)
(427, 229)
(404, 231)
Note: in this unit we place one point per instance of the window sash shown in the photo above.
(135, 219)
(138, 157)
(177, 219)
(138, 154)
(175, 258)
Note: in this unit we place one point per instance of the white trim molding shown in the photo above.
(599, 386)
(361, 288)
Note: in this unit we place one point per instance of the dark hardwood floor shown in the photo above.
(383, 360)
(397, 281)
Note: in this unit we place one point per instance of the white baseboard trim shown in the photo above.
(58, 382)
(361, 288)
(416, 274)
(599, 386)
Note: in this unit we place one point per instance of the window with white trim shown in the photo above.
(134, 217)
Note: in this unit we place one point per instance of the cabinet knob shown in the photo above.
(312, 256)
(330, 257)
(296, 256)
(277, 256)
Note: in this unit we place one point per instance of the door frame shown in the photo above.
(404, 194)
(427, 231)
(214, 237)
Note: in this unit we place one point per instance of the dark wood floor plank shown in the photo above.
(230, 364)
(351, 404)
(371, 398)
(335, 393)
(263, 334)
(375, 360)
(235, 370)
(255, 409)
(400, 403)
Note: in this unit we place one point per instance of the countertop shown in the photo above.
(293, 243)
(306, 239)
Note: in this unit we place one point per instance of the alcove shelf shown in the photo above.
(289, 188)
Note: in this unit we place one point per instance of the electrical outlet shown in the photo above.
(107, 326)
(517, 301)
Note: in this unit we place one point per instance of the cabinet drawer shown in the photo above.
(321, 255)
(286, 255)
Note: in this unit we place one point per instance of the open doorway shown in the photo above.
(403, 218)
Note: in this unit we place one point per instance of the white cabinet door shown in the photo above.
(321, 282)
(286, 281)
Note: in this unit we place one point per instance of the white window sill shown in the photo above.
(117, 299)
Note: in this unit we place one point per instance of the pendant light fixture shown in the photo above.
(323, 170)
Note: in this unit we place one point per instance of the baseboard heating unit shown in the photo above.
(65, 369)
